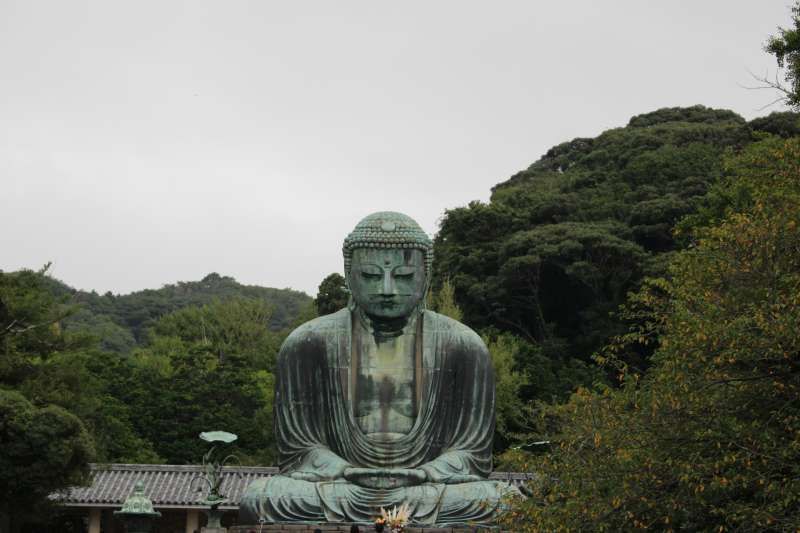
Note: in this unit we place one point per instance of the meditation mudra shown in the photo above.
(384, 402)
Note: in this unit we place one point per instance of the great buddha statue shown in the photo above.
(382, 403)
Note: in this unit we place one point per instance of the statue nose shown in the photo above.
(389, 288)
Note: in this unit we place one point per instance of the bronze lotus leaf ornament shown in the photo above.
(218, 436)
(212, 466)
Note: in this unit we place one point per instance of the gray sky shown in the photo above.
(147, 142)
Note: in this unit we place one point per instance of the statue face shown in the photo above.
(387, 283)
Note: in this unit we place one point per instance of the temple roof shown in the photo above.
(168, 486)
(174, 486)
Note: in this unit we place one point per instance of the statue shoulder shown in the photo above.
(317, 329)
(455, 331)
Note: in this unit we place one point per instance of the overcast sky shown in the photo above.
(147, 142)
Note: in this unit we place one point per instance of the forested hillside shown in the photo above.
(122, 321)
(559, 246)
(707, 437)
(697, 426)
(136, 378)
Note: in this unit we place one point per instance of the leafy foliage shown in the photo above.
(444, 301)
(45, 447)
(786, 48)
(199, 368)
(206, 368)
(708, 438)
(783, 124)
(332, 295)
(555, 252)
(45, 450)
(136, 312)
(521, 372)
(53, 366)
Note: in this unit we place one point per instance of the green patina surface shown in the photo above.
(213, 461)
(137, 511)
(382, 403)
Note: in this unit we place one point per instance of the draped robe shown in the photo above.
(317, 436)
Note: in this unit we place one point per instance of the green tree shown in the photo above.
(785, 46)
(783, 124)
(50, 364)
(709, 437)
(509, 381)
(30, 325)
(560, 244)
(332, 295)
(522, 373)
(139, 311)
(444, 301)
(44, 450)
(237, 328)
(87, 384)
(206, 368)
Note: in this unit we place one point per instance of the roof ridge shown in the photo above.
(151, 467)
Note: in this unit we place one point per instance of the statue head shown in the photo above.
(387, 265)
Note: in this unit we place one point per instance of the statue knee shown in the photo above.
(277, 499)
(250, 503)
(476, 500)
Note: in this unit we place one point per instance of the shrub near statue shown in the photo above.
(382, 403)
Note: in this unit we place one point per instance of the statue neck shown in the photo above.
(383, 329)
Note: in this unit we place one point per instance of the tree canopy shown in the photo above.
(707, 438)
(206, 368)
(76, 385)
(332, 295)
(45, 449)
(559, 246)
(122, 321)
(785, 46)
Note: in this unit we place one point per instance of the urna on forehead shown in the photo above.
(388, 230)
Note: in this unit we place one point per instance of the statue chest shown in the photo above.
(384, 385)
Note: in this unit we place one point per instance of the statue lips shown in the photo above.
(388, 304)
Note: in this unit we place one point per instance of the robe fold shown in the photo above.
(451, 439)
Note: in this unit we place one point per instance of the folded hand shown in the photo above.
(384, 478)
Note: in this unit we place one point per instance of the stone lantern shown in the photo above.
(137, 512)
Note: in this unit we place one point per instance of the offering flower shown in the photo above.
(396, 518)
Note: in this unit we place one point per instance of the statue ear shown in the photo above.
(351, 303)
(347, 277)
(423, 303)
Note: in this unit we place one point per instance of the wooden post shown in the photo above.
(94, 520)
(107, 520)
(192, 520)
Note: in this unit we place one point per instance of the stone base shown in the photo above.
(339, 528)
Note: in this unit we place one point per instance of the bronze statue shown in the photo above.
(382, 403)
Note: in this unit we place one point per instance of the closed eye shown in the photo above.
(371, 272)
(404, 272)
